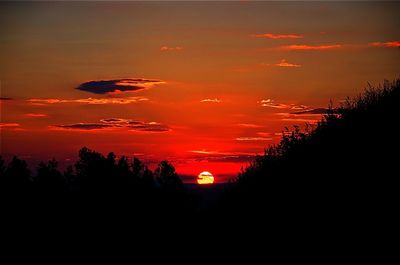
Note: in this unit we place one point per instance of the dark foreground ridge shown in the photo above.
(343, 170)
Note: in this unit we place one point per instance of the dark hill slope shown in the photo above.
(346, 167)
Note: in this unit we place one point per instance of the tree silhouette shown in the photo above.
(166, 176)
(18, 176)
(49, 180)
(91, 170)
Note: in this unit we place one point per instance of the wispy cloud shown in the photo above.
(272, 104)
(249, 125)
(118, 85)
(308, 116)
(253, 139)
(9, 125)
(211, 100)
(115, 121)
(305, 47)
(147, 126)
(205, 152)
(221, 156)
(264, 134)
(324, 47)
(5, 98)
(284, 63)
(263, 66)
(318, 111)
(95, 101)
(390, 44)
(208, 152)
(301, 120)
(135, 125)
(277, 36)
(36, 115)
(171, 49)
(299, 107)
(132, 125)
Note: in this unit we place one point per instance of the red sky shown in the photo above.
(205, 85)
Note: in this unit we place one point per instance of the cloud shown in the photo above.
(249, 125)
(264, 134)
(390, 44)
(137, 125)
(312, 111)
(308, 116)
(84, 126)
(115, 121)
(36, 115)
(299, 107)
(253, 139)
(118, 85)
(205, 152)
(171, 49)
(9, 125)
(230, 158)
(118, 123)
(94, 101)
(272, 104)
(148, 126)
(284, 63)
(300, 120)
(214, 100)
(221, 156)
(278, 36)
(304, 47)
(262, 66)
(5, 98)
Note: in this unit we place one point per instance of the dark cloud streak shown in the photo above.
(84, 126)
(123, 85)
(314, 111)
(118, 123)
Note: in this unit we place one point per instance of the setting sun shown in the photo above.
(205, 177)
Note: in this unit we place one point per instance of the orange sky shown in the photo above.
(205, 85)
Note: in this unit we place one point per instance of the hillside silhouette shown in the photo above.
(342, 170)
(345, 167)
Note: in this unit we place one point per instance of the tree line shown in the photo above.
(95, 181)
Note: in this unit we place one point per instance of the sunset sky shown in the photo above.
(205, 85)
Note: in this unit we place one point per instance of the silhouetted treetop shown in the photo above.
(166, 175)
